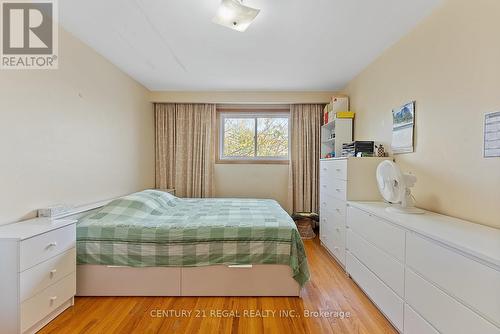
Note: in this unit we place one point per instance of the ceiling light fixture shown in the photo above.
(233, 14)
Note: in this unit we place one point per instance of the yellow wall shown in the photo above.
(75, 135)
(450, 64)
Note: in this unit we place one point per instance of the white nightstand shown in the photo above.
(37, 272)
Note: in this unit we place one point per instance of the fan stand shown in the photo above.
(397, 208)
(406, 206)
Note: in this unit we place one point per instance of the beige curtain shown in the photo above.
(185, 141)
(305, 127)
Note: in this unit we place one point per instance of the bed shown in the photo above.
(152, 243)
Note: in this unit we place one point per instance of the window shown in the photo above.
(253, 136)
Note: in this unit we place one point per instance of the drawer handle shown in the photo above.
(338, 210)
(324, 203)
(338, 169)
(335, 249)
(52, 244)
(53, 273)
(338, 229)
(324, 169)
(52, 300)
(243, 266)
(338, 190)
(324, 186)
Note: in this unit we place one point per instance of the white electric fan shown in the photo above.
(395, 187)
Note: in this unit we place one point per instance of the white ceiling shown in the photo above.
(292, 44)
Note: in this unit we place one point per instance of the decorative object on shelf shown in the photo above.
(345, 114)
(380, 150)
(327, 113)
(340, 104)
(403, 125)
(336, 130)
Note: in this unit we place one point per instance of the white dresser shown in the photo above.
(343, 179)
(427, 273)
(37, 273)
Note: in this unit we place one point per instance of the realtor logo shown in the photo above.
(29, 34)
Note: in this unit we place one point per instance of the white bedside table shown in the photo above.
(38, 266)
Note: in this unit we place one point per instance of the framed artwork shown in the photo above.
(403, 125)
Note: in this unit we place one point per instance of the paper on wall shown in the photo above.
(492, 134)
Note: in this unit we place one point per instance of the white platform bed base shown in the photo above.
(215, 280)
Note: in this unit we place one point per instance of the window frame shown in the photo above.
(222, 114)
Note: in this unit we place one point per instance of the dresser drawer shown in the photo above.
(47, 245)
(443, 312)
(335, 168)
(338, 207)
(339, 235)
(415, 324)
(385, 236)
(460, 278)
(48, 300)
(333, 204)
(388, 269)
(334, 188)
(386, 300)
(338, 169)
(39, 277)
(339, 243)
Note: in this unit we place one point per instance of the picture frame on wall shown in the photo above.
(403, 126)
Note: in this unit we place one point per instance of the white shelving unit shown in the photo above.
(341, 130)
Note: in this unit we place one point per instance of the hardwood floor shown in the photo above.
(329, 291)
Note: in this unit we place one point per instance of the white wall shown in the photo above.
(74, 135)
(450, 64)
(254, 181)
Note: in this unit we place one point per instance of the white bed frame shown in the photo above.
(214, 280)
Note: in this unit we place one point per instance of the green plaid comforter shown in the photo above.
(154, 228)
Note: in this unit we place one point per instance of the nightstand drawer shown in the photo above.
(45, 246)
(41, 305)
(46, 273)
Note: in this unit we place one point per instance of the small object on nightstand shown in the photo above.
(53, 211)
(170, 191)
